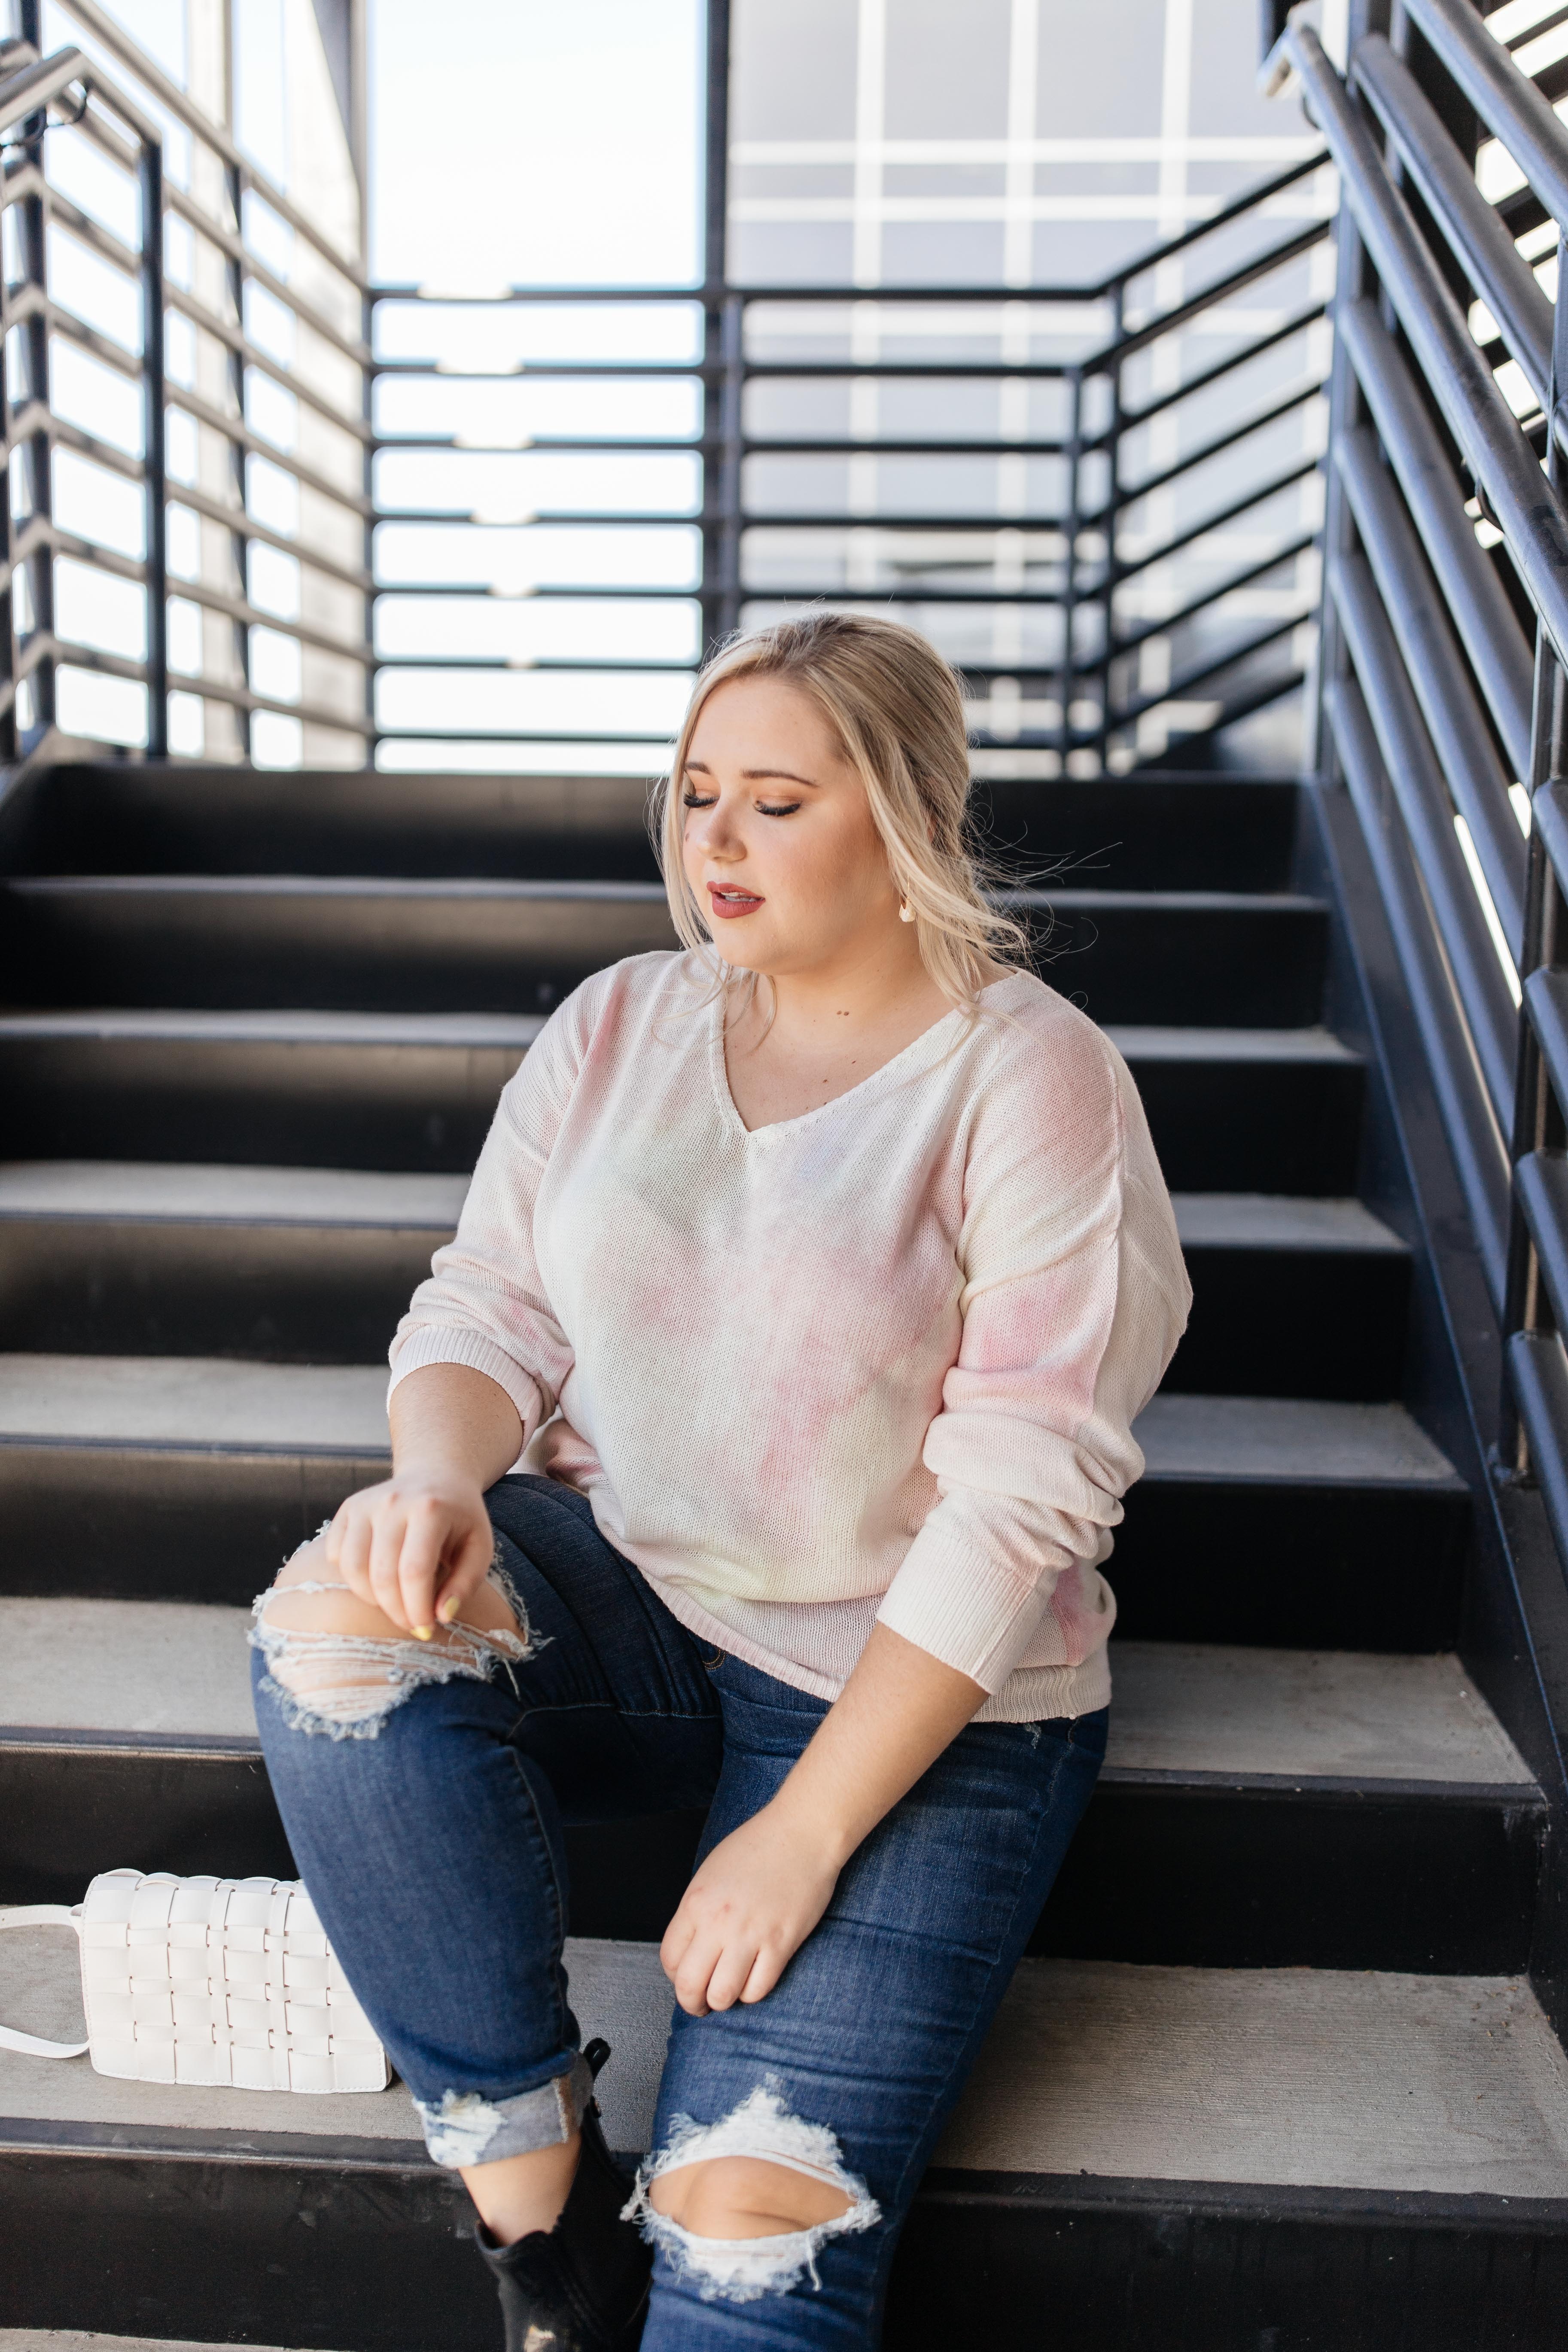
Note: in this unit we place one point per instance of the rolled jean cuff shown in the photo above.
(468, 2129)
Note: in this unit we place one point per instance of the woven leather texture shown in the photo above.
(219, 1981)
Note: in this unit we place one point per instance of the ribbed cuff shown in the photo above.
(964, 1609)
(476, 1351)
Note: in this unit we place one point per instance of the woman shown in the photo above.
(817, 1275)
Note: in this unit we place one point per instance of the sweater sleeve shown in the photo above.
(1074, 1297)
(483, 1303)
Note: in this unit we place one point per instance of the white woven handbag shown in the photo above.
(218, 1980)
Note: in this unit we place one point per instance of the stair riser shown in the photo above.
(1209, 1561)
(279, 1294)
(1198, 966)
(333, 1294)
(1218, 1126)
(378, 2259)
(1162, 1872)
(419, 1107)
(1311, 1567)
(1197, 834)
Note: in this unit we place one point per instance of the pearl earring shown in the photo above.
(905, 912)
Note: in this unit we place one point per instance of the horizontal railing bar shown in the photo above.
(1121, 572)
(1480, 1158)
(351, 346)
(1421, 790)
(71, 436)
(170, 96)
(1435, 665)
(240, 344)
(32, 302)
(576, 518)
(250, 617)
(647, 445)
(1232, 712)
(244, 525)
(1171, 321)
(922, 448)
(611, 591)
(88, 232)
(907, 371)
(1506, 100)
(516, 735)
(1549, 812)
(1486, 621)
(1546, 1005)
(1540, 1182)
(1185, 682)
(43, 532)
(245, 697)
(235, 429)
(1475, 235)
(547, 370)
(1207, 377)
(1035, 525)
(1207, 598)
(1527, 509)
(1249, 200)
(1128, 494)
(899, 595)
(597, 665)
(32, 87)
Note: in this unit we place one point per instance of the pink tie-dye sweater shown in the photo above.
(878, 1363)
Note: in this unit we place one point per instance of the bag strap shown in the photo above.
(40, 1915)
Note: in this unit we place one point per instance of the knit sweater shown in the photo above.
(877, 1363)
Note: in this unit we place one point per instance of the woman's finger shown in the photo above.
(765, 1971)
(733, 1970)
(469, 1560)
(677, 1940)
(691, 1977)
(353, 1559)
(385, 1551)
(427, 1526)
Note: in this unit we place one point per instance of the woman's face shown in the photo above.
(779, 845)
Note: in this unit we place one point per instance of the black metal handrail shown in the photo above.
(1445, 714)
(1112, 668)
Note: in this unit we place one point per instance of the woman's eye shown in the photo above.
(779, 808)
(689, 799)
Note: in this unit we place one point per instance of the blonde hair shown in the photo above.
(897, 709)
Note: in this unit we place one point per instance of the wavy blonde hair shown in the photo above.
(897, 709)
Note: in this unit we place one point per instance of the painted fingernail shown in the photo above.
(449, 1609)
(422, 1633)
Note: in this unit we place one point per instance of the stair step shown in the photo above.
(507, 946)
(1264, 1111)
(315, 1265)
(1164, 833)
(1188, 2157)
(1258, 1807)
(190, 1478)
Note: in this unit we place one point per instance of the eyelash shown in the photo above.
(689, 799)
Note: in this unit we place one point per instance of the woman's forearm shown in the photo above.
(899, 1710)
(448, 1420)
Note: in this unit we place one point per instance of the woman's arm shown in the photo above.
(761, 1891)
(420, 1543)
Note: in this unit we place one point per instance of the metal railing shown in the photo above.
(1446, 636)
(249, 444)
(1094, 551)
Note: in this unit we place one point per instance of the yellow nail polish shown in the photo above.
(448, 1610)
(422, 1633)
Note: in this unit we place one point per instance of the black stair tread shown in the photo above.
(1389, 2084)
(210, 1193)
(112, 1671)
(1298, 1441)
(1259, 1221)
(1147, 1042)
(513, 1031)
(1088, 897)
(218, 1401)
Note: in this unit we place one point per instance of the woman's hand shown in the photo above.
(416, 1547)
(748, 1911)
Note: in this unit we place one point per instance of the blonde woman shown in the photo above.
(817, 1273)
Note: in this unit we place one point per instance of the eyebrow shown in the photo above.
(760, 775)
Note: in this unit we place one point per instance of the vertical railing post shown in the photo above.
(1072, 520)
(35, 709)
(1525, 1304)
(1112, 513)
(722, 328)
(154, 468)
(367, 336)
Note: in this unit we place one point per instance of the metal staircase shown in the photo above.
(1283, 2068)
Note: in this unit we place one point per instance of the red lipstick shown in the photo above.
(728, 901)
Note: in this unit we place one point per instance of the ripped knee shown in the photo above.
(335, 1663)
(742, 2206)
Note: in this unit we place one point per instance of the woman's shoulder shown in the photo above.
(1030, 1032)
(622, 996)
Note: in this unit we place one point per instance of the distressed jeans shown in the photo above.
(428, 1826)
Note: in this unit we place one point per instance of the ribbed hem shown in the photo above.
(477, 1352)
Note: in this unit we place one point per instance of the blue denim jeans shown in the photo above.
(430, 1839)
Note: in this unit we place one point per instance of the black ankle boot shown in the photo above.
(582, 2285)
